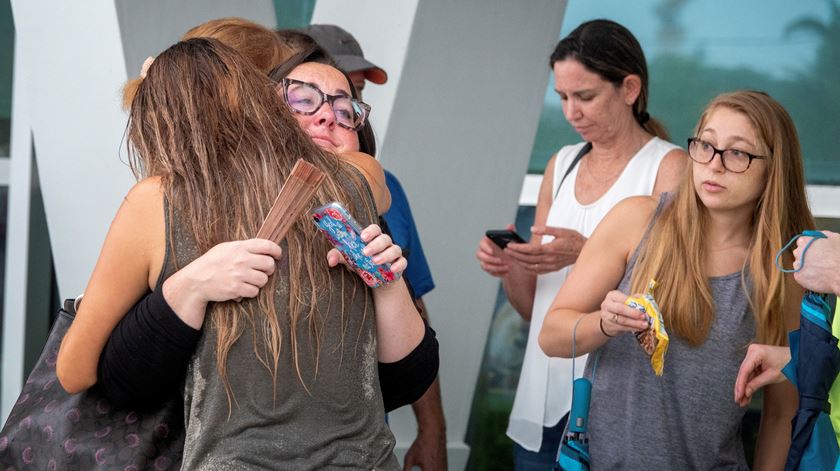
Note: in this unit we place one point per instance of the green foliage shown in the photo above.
(494, 391)
(491, 449)
(813, 100)
(681, 86)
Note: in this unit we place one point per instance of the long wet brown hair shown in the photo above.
(675, 252)
(209, 124)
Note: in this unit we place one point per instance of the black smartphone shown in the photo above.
(503, 237)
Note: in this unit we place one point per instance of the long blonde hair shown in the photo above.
(675, 252)
(209, 124)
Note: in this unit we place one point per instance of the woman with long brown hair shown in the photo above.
(710, 248)
(286, 377)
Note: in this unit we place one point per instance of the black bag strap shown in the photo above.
(583, 151)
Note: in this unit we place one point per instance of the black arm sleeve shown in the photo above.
(145, 359)
(404, 381)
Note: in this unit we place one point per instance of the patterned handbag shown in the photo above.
(49, 429)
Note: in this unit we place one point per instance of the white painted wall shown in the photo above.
(150, 26)
(383, 29)
(71, 59)
(17, 247)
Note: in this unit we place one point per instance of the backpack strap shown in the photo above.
(583, 151)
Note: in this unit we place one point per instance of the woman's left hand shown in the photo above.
(551, 256)
(617, 317)
(379, 247)
(762, 365)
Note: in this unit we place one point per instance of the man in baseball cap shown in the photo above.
(347, 53)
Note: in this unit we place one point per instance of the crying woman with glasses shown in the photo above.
(325, 104)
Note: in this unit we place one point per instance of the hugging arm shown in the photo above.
(146, 357)
(120, 278)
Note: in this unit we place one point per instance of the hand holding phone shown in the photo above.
(503, 237)
(344, 233)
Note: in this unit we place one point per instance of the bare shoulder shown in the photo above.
(143, 204)
(630, 211)
(624, 225)
(548, 173)
(547, 183)
(146, 191)
(374, 174)
(140, 223)
(676, 159)
(671, 171)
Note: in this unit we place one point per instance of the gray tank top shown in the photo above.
(685, 419)
(339, 423)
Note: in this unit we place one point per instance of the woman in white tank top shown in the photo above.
(601, 76)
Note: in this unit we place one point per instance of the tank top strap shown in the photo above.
(664, 199)
(563, 161)
(167, 267)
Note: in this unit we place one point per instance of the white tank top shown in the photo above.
(544, 393)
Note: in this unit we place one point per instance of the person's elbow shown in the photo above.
(551, 345)
(72, 380)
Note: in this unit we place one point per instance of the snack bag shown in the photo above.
(654, 340)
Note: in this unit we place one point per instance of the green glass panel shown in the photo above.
(696, 51)
(7, 49)
(293, 13)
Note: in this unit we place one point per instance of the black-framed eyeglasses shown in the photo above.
(734, 160)
(306, 98)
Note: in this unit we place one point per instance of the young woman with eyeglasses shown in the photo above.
(711, 249)
(601, 77)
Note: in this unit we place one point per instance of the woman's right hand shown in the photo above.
(617, 317)
(491, 258)
(230, 270)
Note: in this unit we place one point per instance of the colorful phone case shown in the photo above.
(344, 233)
